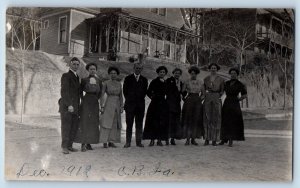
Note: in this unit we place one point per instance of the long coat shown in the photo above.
(174, 94)
(156, 125)
(70, 96)
(135, 93)
(174, 103)
(70, 92)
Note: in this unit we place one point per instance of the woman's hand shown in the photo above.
(122, 109)
(70, 109)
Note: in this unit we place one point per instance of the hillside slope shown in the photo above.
(42, 78)
(43, 72)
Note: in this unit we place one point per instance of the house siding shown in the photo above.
(49, 36)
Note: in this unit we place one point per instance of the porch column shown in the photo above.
(118, 41)
(149, 27)
(141, 39)
(107, 37)
(184, 49)
(90, 33)
(175, 44)
(128, 43)
(99, 39)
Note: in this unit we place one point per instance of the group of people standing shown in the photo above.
(202, 114)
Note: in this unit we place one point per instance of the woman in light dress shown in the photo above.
(112, 107)
(192, 111)
(213, 90)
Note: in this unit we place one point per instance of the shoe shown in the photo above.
(214, 143)
(140, 145)
(105, 145)
(230, 143)
(151, 143)
(89, 147)
(206, 142)
(194, 142)
(65, 151)
(173, 142)
(83, 148)
(222, 142)
(187, 142)
(72, 149)
(159, 143)
(127, 145)
(112, 145)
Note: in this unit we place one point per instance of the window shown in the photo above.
(159, 11)
(46, 24)
(62, 38)
(167, 49)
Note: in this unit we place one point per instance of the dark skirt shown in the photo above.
(88, 131)
(232, 120)
(192, 121)
(156, 124)
(175, 130)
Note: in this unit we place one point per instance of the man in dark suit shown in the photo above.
(135, 89)
(174, 91)
(69, 106)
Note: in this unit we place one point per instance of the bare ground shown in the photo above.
(33, 153)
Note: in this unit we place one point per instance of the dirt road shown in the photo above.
(33, 153)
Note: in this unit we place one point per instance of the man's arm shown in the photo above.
(65, 90)
(125, 87)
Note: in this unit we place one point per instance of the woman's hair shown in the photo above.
(113, 69)
(161, 68)
(234, 69)
(194, 69)
(177, 69)
(214, 64)
(90, 64)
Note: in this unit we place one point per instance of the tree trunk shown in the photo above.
(241, 60)
(24, 37)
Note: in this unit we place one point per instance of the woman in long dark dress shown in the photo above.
(174, 91)
(88, 132)
(192, 111)
(232, 118)
(212, 107)
(156, 125)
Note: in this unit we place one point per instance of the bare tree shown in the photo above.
(239, 36)
(25, 27)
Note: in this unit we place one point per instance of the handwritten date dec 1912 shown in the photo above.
(28, 170)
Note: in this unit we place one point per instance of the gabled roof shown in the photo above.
(49, 11)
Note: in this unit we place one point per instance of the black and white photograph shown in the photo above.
(149, 94)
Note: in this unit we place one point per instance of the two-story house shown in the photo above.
(116, 33)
